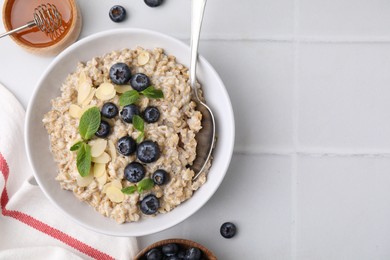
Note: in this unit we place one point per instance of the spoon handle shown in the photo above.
(30, 24)
(197, 11)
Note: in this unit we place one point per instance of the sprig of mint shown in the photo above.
(139, 124)
(132, 96)
(143, 185)
(89, 124)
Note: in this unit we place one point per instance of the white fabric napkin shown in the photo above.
(30, 226)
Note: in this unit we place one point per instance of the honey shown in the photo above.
(22, 12)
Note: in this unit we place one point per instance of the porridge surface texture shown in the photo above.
(174, 132)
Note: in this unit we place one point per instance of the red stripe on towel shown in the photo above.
(39, 225)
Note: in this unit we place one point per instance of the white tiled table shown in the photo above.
(310, 85)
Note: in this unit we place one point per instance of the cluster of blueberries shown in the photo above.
(173, 251)
(146, 151)
(118, 13)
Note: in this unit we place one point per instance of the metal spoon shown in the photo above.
(206, 136)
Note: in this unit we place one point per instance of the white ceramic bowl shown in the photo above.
(48, 87)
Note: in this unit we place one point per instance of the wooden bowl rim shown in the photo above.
(72, 34)
(179, 241)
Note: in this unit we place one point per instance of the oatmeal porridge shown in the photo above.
(137, 160)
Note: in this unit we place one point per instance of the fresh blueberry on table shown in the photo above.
(120, 73)
(150, 204)
(126, 145)
(139, 81)
(228, 230)
(151, 114)
(104, 129)
(128, 112)
(154, 254)
(170, 249)
(109, 110)
(160, 177)
(148, 151)
(153, 3)
(117, 13)
(193, 253)
(134, 172)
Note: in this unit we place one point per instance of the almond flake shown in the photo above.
(89, 97)
(122, 88)
(116, 183)
(115, 194)
(143, 58)
(105, 91)
(84, 181)
(98, 147)
(102, 179)
(99, 169)
(82, 78)
(74, 111)
(112, 150)
(104, 158)
(83, 92)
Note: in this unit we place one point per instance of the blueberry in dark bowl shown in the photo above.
(150, 204)
(170, 249)
(104, 129)
(228, 230)
(117, 13)
(109, 110)
(128, 112)
(134, 172)
(148, 151)
(154, 254)
(139, 81)
(151, 114)
(120, 73)
(193, 253)
(126, 145)
(153, 3)
(160, 177)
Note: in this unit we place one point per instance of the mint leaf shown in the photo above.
(84, 159)
(138, 123)
(129, 190)
(140, 137)
(145, 184)
(129, 97)
(151, 92)
(76, 146)
(89, 123)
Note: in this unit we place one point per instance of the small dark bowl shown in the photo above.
(184, 243)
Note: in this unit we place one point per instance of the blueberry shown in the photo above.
(117, 13)
(150, 204)
(154, 254)
(173, 257)
(148, 151)
(151, 114)
(139, 81)
(181, 254)
(109, 110)
(128, 112)
(193, 253)
(170, 249)
(228, 230)
(160, 177)
(104, 129)
(153, 3)
(126, 145)
(134, 172)
(120, 73)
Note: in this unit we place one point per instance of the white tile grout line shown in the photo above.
(295, 122)
(291, 39)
